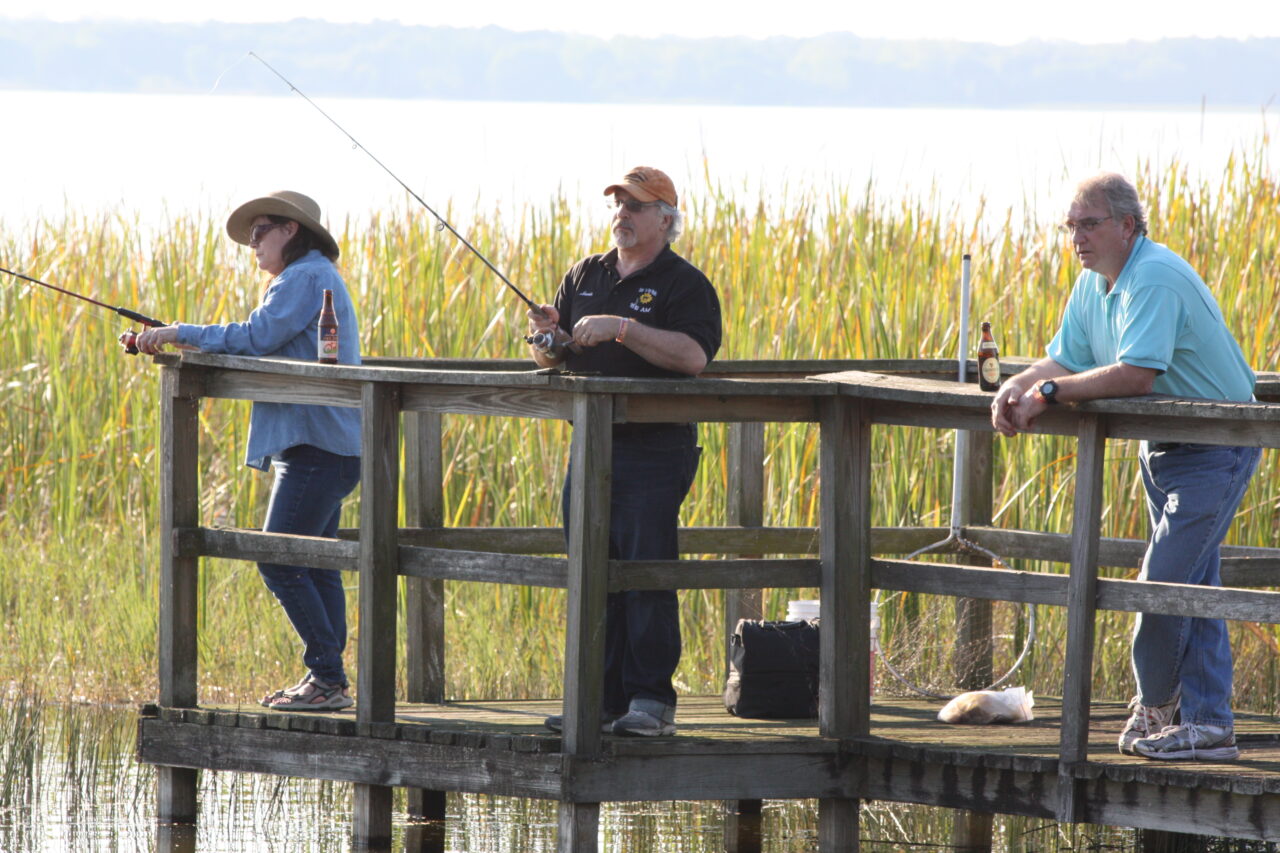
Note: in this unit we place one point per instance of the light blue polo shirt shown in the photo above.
(1161, 315)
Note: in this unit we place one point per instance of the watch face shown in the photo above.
(1048, 388)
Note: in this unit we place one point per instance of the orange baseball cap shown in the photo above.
(646, 184)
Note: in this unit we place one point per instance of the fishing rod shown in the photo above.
(541, 340)
(128, 339)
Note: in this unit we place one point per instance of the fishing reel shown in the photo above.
(543, 342)
(129, 340)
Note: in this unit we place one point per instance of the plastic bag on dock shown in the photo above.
(983, 707)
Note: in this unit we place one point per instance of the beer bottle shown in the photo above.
(988, 361)
(328, 337)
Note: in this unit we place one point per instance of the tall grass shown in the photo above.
(823, 272)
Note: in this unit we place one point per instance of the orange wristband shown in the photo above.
(622, 329)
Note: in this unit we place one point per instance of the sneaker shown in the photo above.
(1192, 741)
(1147, 720)
(647, 718)
(556, 722)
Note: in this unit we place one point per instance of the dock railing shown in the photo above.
(847, 400)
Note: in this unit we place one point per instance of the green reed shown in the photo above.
(817, 272)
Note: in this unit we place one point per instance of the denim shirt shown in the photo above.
(285, 325)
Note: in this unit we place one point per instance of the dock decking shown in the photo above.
(1062, 766)
(502, 748)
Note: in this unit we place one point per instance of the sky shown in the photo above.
(994, 21)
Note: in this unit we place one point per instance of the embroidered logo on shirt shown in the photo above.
(644, 302)
(586, 293)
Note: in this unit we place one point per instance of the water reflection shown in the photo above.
(68, 781)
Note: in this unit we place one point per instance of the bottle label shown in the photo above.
(329, 346)
(991, 370)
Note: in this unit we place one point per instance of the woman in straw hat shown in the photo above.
(314, 450)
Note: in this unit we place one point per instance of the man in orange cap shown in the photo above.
(638, 310)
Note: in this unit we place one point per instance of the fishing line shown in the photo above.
(442, 223)
(224, 74)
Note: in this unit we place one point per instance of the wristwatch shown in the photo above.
(1047, 391)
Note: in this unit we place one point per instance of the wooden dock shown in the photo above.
(1063, 765)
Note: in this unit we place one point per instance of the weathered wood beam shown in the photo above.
(179, 577)
(591, 476)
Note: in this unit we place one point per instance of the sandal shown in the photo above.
(315, 695)
(266, 701)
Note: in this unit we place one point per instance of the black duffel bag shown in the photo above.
(773, 670)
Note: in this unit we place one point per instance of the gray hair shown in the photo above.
(1118, 194)
(677, 220)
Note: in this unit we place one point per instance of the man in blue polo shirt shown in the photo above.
(1140, 321)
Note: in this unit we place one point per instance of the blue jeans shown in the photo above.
(652, 471)
(1193, 491)
(306, 499)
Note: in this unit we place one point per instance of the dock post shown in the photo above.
(379, 572)
(590, 490)
(844, 675)
(423, 597)
(179, 576)
(745, 508)
(1082, 596)
(971, 831)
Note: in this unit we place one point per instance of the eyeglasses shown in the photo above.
(257, 232)
(1085, 225)
(631, 204)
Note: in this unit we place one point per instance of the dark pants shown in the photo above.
(306, 499)
(652, 472)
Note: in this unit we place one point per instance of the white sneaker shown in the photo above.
(1190, 742)
(1147, 720)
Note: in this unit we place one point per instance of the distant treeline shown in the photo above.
(390, 60)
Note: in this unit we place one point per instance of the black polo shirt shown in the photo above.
(670, 293)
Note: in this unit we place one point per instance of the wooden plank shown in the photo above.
(482, 400)
(179, 575)
(389, 763)
(424, 597)
(281, 388)
(651, 408)
(838, 825)
(845, 513)
(693, 540)
(371, 817)
(744, 507)
(379, 508)
(975, 647)
(1189, 600)
(176, 787)
(578, 828)
(1082, 594)
(483, 567)
(590, 477)
(970, 582)
(259, 547)
(1242, 565)
(1233, 430)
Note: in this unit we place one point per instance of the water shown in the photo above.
(160, 154)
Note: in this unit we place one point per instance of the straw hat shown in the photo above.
(296, 206)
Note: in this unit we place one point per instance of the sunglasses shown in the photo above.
(257, 232)
(632, 205)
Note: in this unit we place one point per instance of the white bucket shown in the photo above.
(802, 609)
